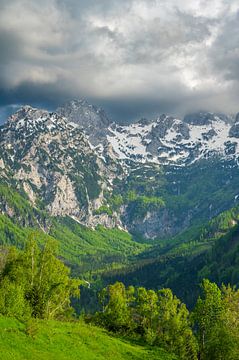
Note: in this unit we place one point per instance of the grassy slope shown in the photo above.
(94, 250)
(84, 249)
(68, 341)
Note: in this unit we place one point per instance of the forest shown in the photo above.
(36, 285)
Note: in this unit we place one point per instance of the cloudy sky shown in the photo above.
(134, 58)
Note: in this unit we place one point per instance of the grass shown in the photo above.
(78, 239)
(84, 249)
(68, 341)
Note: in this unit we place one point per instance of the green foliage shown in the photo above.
(147, 309)
(217, 319)
(228, 337)
(116, 314)
(19, 207)
(10, 233)
(210, 332)
(35, 282)
(86, 250)
(103, 209)
(142, 204)
(160, 318)
(12, 299)
(192, 195)
(94, 250)
(208, 250)
(116, 201)
(174, 326)
(139, 205)
(207, 314)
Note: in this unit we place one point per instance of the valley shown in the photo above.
(63, 175)
(153, 204)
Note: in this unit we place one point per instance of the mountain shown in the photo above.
(91, 119)
(177, 142)
(197, 173)
(51, 160)
(166, 140)
(113, 196)
(152, 178)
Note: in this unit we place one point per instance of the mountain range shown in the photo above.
(165, 140)
(154, 180)
(76, 162)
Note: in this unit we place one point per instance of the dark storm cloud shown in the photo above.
(135, 58)
(225, 50)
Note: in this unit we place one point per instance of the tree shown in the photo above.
(174, 328)
(159, 317)
(41, 278)
(228, 339)
(49, 285)
(117, 314)
(12, 300)
(147, 313)
(207, 315)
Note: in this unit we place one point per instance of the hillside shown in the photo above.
(149, 220)
(56, 340)
(84, 249)
(208, 250)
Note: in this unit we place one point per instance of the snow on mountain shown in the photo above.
(53, 162)
(166, 140)
(74, 161)
(172, 141)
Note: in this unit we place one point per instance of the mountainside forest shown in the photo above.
(119, 241)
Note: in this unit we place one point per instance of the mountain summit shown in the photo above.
(52, 161)
(166, 140)
(91, 119)
(153, 177)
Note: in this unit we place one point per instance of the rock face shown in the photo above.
(199, 119)
(55, 164)
(157, 223)
(76, 162)
(91, 119)
(234, 131)
(65, 200)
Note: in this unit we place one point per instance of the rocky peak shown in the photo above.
(55, 164)
(168, 140)
(28, 123)
(206, 118)
(234, 131)
(91, 119)
(28, 113)
(199, 118)
(144, 121)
